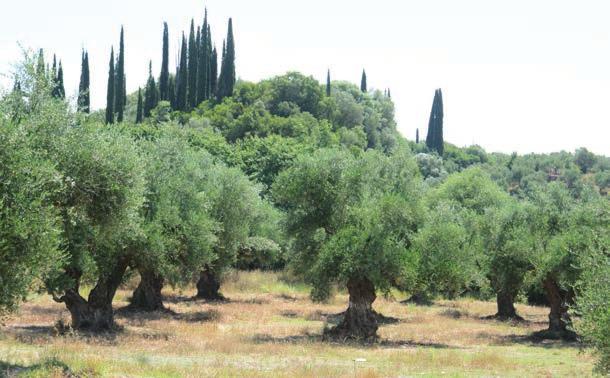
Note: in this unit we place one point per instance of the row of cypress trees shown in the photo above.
(196, 78)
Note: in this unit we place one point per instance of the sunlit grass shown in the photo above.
(269, 327)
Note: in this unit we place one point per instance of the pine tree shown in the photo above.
(363, 82)
(84, 98)
(110, 90)
(434, 139)
(417, 136)
(328, 88)
(139, 108)
(182, 78)
(151, 96)
(164, 76)
(227, 79)
(120, 97)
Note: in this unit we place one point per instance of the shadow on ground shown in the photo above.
(315, 338)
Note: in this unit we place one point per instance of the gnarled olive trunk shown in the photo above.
(559, 319)
(208, 285)
(506, 306)
(360, 320)
(95, 313)
(147, 296)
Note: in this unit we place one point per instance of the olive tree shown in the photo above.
(352, 219)
(29, 224)
(567, 231)
(233, 203)
(178, 229)
(500, 223)
(103, 192)
(447, 252)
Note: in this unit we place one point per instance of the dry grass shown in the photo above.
(270, 328)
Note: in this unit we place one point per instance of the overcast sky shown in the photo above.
(518, 75)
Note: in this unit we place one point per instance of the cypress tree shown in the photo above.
(151, 96)
(120, 89)
(417, 136)
(213, 73)
(389, 93)
(192, 68)
(227, 79)
(182, 78)
(171, 88)
(203, 67)
(440, 143)
(328, 83)
(61, 91)
(40, 66)
(434, 139)
(84, 98)
(110, 90)
(54, 83)
(139, 108)
(164, 76)
(363, 82)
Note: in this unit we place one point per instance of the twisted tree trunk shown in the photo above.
(95, 313)
(360, 320)
(147, 296)
(559, 319)
(208, 285)
(506, 306)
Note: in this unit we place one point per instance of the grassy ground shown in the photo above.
(270, 328)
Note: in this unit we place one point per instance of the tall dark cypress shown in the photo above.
(60, 89)
(182, 79)
(139, 117)
(213, 73)
(227, 79)
(328, 83)
(84, 97)
(120, 97)
(440, 143)
(203, 67)
(171, 88)
(54, 82)
(434, 139)
(110, 90)
(363, 87)
(192, 68)
(164, 76)
(389, 93)
(151, 96)
(416, 135)
(40, 65)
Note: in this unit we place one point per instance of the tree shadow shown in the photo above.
(166, 313)
(309, 338)
(539, 339)
(33, 334)
(14, 370)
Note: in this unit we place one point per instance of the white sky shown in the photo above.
(518, 75)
